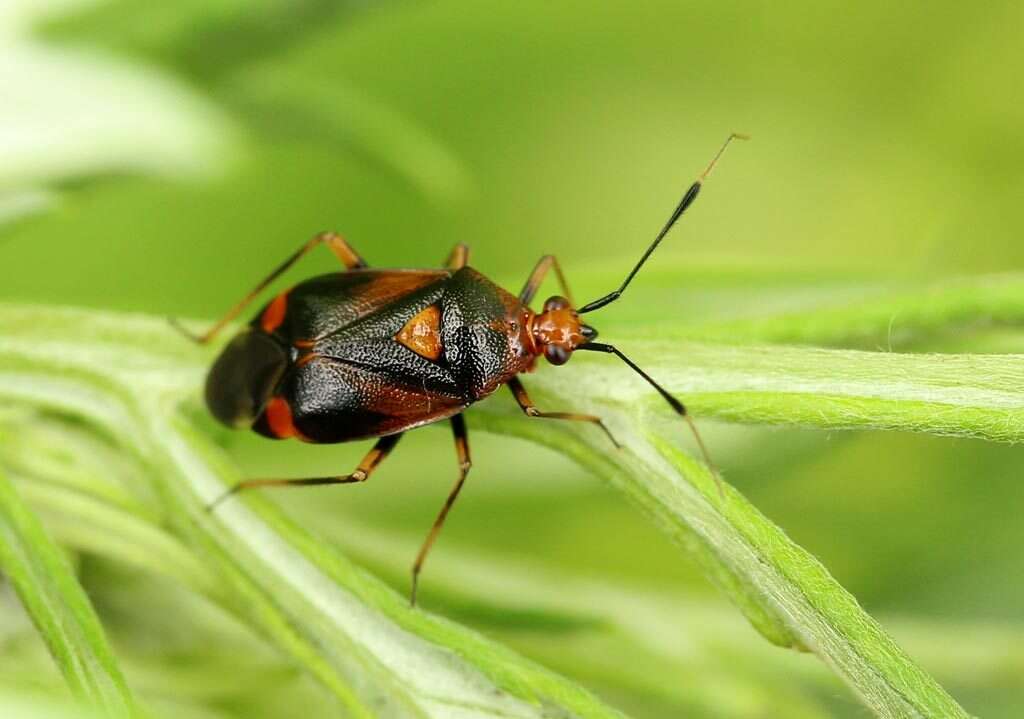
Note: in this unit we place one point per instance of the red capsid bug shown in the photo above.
(372, 353)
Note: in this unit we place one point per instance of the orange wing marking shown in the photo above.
(279, 419)
(422, 333)
(273, 316)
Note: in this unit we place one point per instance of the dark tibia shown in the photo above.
(362, 473)
(337, 244)
(462, 452)
(527, 406)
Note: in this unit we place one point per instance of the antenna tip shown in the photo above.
(711, 165)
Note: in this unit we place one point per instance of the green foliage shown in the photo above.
(59, 607)
(123, 378)
(161, 157)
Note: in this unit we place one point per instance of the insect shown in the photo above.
(369, 353)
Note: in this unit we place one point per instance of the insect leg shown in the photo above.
(458, 258)
(524, 401)
(337, 244)
(462, 449)
(362, 473)
(540, 271)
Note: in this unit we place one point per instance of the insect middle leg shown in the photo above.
(527, 406)
(462, 450)
(540, 272)
(362, 473)
(337, 244)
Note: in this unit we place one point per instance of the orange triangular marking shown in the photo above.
(422, 333)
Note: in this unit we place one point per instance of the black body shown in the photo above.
(334, 356)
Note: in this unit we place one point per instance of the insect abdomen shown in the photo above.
(244, 377)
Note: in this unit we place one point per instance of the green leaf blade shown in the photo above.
(60, 608)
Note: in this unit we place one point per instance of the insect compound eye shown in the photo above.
(556, 303)
(556, 354)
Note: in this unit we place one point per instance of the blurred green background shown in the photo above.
(162, 157)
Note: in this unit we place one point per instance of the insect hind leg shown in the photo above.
(335, 242)
(362, 473)
(465, 462)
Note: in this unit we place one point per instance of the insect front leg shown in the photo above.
(335, 242)
(362, 473)
(462, 451)
(527, 406)
(677, 406)
(540, 272)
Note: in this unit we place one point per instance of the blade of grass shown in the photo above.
(60, 608)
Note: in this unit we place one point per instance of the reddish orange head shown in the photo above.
(556, 331)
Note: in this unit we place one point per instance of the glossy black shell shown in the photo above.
(342, 371)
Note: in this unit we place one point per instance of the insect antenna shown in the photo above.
(688, 198)
(676, 405)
